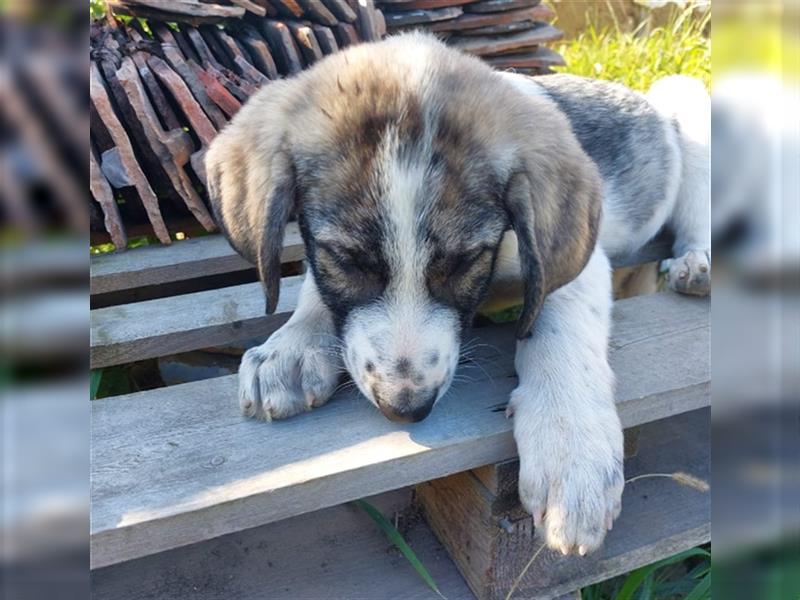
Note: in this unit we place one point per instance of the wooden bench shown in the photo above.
(175, 468)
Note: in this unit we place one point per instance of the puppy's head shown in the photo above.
(406, 163)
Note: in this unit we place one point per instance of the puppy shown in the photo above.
(421, 178)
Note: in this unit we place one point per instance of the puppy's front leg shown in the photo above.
(298, 367)
(566, 426)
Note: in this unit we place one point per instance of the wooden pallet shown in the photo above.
(179, 466)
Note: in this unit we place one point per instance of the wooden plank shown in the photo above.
(346, 35)
(341, 10)
(258, 49)
(252, 7)
(130, 332)
(187, 259)
(201, 461)
(169, 45)
(306, 41)
(335, 553)
(538, 57)
(491, 542)
(421, 4)
(190, 8)
(473, 21)
(325, 39)
(315, 10)
(368, 21)
(102, 104)
(496, 44)
(102, 193)
(339, 553)
(502, 29)
(285, 51)
(490, 6)
(415, 17)
(171, 148)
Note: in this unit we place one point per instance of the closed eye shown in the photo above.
(465, 262)
(346, 259)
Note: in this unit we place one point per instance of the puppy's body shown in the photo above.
(421, 178)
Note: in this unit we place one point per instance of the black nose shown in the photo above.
(409, 407)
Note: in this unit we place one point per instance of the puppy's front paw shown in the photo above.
(295, 370)
(571, 474)
(690, 273)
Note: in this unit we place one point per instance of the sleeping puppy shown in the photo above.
(421, 179)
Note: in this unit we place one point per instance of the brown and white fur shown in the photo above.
(420, 178)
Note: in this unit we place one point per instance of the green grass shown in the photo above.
(639, 58)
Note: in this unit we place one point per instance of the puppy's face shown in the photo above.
(402, 229)
(406, 162)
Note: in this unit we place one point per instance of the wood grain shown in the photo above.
(496, 44)
(186, 259)
(206, 475)
(153, 328)
(474, 20)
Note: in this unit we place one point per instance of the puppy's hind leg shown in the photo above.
(686, 103)
(297, 368)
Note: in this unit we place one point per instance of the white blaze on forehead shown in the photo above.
(405, 207)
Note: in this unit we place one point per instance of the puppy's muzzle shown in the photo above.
(408, 405)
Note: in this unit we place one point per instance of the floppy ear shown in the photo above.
(554, 201)
(251, 184)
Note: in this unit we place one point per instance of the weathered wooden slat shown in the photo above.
(417, 16)
(497, 44)
(172, 148)
(175, 58)
(335, 553)
(472, 20)
(346, 34)
(502, 29)
(252, 7)
(539, 57)
(201, 125)
(340, 551)
(258, 49)
(242, 62)
(316, 11)
(285, 51)
(490, 6)
(325, 39)
(101, 191)
(306, 41)
(191, 8)
(102, 104)
(211, 472)
(131, 332)
(187, 259)
(369, 23)
(341, 10)
(217, 91)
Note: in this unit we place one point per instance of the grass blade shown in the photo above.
(396, 538)
(637, 577)
(95, 377)
(701, 590)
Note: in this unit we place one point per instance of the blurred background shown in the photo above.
(51, 221)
